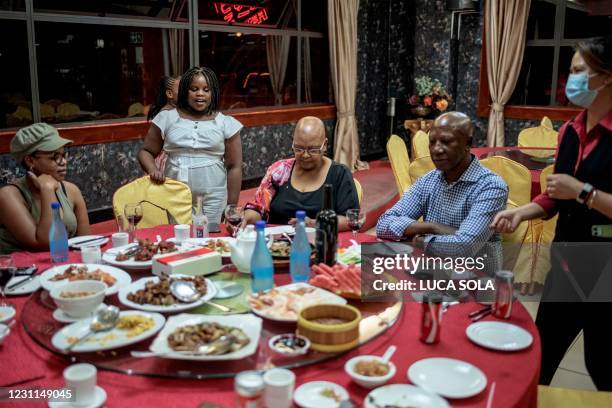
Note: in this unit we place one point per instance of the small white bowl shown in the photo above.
(311, 233)
(364, 380)
(79, 306)
(5, 335)
(302, 350)
(6, 313)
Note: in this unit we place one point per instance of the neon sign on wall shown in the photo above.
(240, 13)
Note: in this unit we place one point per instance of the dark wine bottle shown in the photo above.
(327, 229)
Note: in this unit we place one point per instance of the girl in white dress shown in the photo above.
(203, 145)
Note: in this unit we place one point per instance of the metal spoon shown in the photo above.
(217, 347)
(105, 319)
(185, 291)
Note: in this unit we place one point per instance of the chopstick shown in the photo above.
(490, 399)
(477, 312)
(20, 283)
(480, 316)
(98, 238)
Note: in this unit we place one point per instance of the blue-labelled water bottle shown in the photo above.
(58, 237)
(299, 258)
(262, 268)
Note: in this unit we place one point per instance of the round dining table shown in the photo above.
(24, 364)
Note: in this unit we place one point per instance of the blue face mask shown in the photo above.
(577, 89)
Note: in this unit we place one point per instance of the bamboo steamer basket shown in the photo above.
(330, 338)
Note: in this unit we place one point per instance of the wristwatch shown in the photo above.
(584, 193)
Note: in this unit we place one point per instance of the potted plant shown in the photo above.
(431, 98)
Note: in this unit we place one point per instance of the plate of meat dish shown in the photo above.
(153, 294)
(138, 256)
(114, 278)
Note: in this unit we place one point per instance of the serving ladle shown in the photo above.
(186, 292)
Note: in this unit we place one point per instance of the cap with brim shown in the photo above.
(36, 137)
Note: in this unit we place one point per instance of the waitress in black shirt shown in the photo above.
(297, 183)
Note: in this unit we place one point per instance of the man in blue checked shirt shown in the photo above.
(457, 201)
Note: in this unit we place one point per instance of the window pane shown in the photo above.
(541, 23)
(565, 60)
(163, 10)
(263, 13)
(12, 5)
(314, 15)
(240, 61)
(534, 84)
(96, 72)
(316, 85)
(581, 23)
(15, 95)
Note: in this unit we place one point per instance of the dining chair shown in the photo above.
(68, 109)
(543, 135)
(359, 190)
(136, 109)
(400, 162)
(420, 145)
(420, 167)
(516, 176)
(553, 397)
(167, 203)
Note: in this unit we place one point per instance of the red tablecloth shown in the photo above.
(516, 374)
(535, 174)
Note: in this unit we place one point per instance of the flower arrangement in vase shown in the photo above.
(430, 98)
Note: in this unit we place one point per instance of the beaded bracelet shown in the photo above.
(590, 200)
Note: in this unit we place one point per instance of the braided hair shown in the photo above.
(161, 99)
(213, 85)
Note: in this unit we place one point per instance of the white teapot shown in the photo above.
(243, 247)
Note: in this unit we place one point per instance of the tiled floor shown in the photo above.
(572, 372)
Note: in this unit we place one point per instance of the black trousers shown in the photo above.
(559, 323)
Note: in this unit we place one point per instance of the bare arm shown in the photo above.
(508, 220)
(151, 147)
(233, 164)
(80, 209)
(602, 202)
(17, 219)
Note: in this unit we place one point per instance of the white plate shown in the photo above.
(499, 336)
(60, 316)
(202, 242)
(308, 395)
(105, 340)
(110, 256)
(249, 324)
(318, 296)
(448, 377)
(211, 291)
(350, 252)
(26, 288)
(122, 277)
(75, 242)
(98, 400)
(7, 313)
(403, 395)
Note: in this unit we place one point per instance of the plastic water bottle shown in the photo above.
(262, 268)
(58, 237)
(299, 258)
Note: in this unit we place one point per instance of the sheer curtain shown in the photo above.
(505, 28)
(176, 42)
(342, 24)
(277, 47)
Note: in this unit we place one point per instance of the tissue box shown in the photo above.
(200, 261)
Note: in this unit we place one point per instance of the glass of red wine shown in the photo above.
(356, 218)
(133, 214)
(234, 215)
(7, 271)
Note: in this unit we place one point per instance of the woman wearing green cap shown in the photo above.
(25, 204)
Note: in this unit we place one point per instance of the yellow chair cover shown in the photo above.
(420, 167)
(420, 145)
(359, 190)
(68, 109)
(539, 136)
(398, 156)
(136, 109)
(516, 176)
(520, 250)
(552, 397)
(173, 197)
(46, 110)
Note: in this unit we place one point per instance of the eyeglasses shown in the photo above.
(311, 150)
(57, 157)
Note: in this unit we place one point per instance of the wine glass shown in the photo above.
(133, 213)
(234, 215)
(356, 218)
(7, 271)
